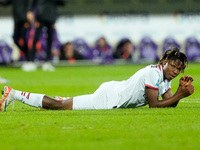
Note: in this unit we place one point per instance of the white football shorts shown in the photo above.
(103, 98)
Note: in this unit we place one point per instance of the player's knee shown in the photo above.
(68, 104)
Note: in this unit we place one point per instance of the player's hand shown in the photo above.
(187, 90)
(186, 80)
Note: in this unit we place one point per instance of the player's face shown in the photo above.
(171, 69)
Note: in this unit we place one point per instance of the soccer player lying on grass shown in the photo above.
(143, 88)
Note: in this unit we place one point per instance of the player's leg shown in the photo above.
(51, 103)
(19, 36)
(24, 46)
(50, 32)
(38, 30)
(32, 99)
(97, 100)
(47, 66)
(17, 33)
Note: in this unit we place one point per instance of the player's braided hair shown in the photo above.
(173, 54)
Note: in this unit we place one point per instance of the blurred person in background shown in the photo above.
(124, 50)
(68, 53)
(42, 45)
(83, 48)
(45, 17)
(21, 24)
(102, 52)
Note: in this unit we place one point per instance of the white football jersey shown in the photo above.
(131, 93)
(125, 94)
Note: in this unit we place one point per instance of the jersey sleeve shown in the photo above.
(169, 85)
(152, 78)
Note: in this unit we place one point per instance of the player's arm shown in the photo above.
(153, 99)
(185, 89)
(167, 95)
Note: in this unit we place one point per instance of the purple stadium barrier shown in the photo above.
(5, 52)
(192, 48)
(148, 49)
(170, 42)
(83, 48)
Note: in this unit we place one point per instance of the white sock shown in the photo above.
(29, 98)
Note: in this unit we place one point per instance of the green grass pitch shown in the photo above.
(25, 127)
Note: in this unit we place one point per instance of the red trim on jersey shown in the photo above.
(160, 67)
(151, 87)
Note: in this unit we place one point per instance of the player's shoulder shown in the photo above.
(157, 68)
(153, 70)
